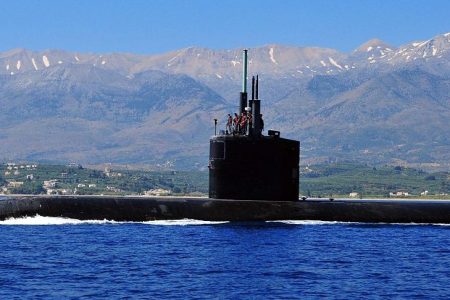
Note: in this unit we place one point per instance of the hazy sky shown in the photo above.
(154, 26)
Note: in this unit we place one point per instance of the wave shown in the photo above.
(183, 222)
(41, 220)
(308, 222)
(317, 222)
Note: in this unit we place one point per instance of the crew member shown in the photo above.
(249, 121)
(261, 122)
(243, 122)
(229, 124)
(236, 123)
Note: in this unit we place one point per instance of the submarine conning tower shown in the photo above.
(244, 164)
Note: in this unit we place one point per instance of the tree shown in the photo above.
(29, 188)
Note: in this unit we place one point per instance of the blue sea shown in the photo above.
(55, 258)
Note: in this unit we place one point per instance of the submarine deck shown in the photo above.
(146, 208)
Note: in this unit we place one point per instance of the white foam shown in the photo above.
(34, 64)
(308, 222)
(45, 61)
(316, 222)
(40, 220)
(183, 222)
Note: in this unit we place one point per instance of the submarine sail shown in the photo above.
(245, 164)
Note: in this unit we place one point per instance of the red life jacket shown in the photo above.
(243, 120)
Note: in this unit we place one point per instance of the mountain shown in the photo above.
(377, 104)
(88, 114)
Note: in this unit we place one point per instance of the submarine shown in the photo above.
(252, 177)
(246, 165)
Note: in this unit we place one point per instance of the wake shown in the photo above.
(43, 221)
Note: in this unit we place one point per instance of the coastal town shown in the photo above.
(74, 179)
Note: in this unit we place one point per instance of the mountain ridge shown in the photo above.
(368, 105)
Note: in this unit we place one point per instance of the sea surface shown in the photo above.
(55, 258)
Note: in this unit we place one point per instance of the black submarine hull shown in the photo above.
(171, 208)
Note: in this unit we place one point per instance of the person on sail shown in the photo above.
(235, 123)
(229, 129)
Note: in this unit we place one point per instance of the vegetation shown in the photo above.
(343, 179)
(82, 181)
(315, 181)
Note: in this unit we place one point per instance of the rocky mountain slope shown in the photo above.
(378, 104)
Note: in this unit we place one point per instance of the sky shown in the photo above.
(157, 26)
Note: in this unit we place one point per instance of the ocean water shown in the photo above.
(54, 258)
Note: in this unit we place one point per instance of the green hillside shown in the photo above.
(315, 180)
(342, 179)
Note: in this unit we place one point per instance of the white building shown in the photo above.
(157, 192)
(51, 192)
(15, 184)
(399, 194)
(49, 183)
